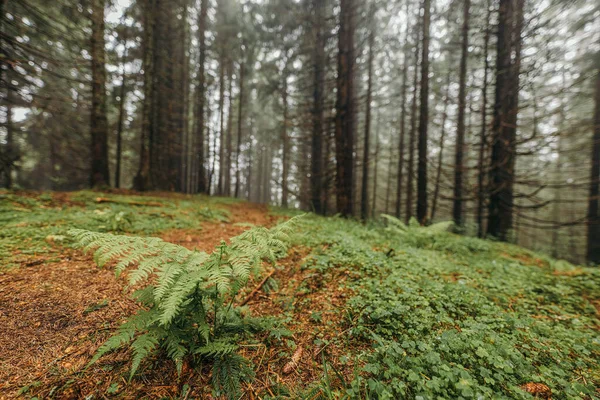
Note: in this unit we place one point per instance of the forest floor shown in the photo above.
(370, 311)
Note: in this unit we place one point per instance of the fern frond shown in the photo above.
(186, 302)
(439, 227)
(176, 350)
(142, 347)
(228, 373)
(217, 348)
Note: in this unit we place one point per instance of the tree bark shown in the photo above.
(229, 141)
(482, 135)
(457, 208)
(364, 202)
(402, 119)
(344, 126)
(200, 98)
(593, 250)
(285, 139)
(141, 181)
(316, 177)
(423, 118)
(441, 154)
(376, 166)
(99, 122)
(412, 133)
(240, 122)
(506, 107)
(221, 123)
(122, 95)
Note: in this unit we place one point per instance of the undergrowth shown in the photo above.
(31, 223)
(189, 311)
(446, 316)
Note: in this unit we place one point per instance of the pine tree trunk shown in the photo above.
(327, 166)
(185, 88)
(9, 151)
(412, 134)
(438, 175)
(460, 129)
(250, 162)
(593, 250)
(240, 123)
(376, 166)
(423, 118)
(5, 154)
(344, 127)
(388, 190)
(142, 178)
(221, 123)
(200, 99)
(229, 141)
(482, 135)
(285, 142)
(506, 107)
(99, 123)
(122, 94)
(317, 111)
(364, 202)
(402, 119)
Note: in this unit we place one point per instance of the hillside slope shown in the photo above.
(379, 311)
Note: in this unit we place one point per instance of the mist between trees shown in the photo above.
(486, 112)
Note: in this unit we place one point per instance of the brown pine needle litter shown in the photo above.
(56, 309)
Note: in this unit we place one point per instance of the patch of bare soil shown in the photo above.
(210, 234)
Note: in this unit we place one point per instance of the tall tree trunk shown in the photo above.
(250, 161)
(423, 118)
(482, 135)
(457, 208)
(316, 176)
(593, 250)
(5, 154)
(506, 108)
(388, 190)
(221, 122)
(142, 179)
(402, 117)
(200, 98)
(556, 209)
(122, 96)
(99, 122)
(229, 141)
(327, 166)
(376, 166)
(9, 151)
(285, 139)
(344, 126)
(412, 134)
(185, 99)
(266, 195)
(364, 202)
(240, 122)
(438, 175)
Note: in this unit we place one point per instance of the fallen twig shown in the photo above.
(256, 289)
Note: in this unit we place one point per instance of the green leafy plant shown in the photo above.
(189, 311)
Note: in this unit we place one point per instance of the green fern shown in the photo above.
(189, 313)
(415, 234)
